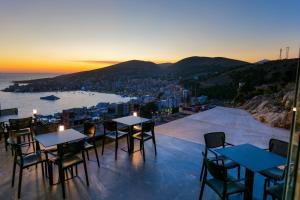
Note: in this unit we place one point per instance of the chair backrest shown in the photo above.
(110, 125)
(10, 111)
(217, 171)
(146, 114)
(279, 147)
(214, 139)
(17, 149)
(22, 123)
(147, 126)
(70, 149)
(89, 129)
(45, 128)
(2, 127)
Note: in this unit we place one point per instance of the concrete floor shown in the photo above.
(173, 174)
(240, 127)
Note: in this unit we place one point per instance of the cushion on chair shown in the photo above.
(88, 145)
(31, 159)
(273, 173)
(229, 164)
(139, 136)
(232, 188)
(112, 134)
(70, 161)
(276, 190)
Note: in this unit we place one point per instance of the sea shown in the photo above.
(26, 102)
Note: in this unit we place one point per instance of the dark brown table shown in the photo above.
(131, 121)
(254, 159)
(58, 138)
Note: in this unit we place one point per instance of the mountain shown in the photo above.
(263, 61)
(265, 90)
(126, 73)
(204, 65)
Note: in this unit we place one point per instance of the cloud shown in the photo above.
(102, 62)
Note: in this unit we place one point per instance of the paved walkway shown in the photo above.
(240, 127)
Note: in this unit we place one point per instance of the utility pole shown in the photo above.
(287, 53)
(280, 53)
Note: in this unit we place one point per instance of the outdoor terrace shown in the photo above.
(172, 174)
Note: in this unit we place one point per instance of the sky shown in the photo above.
(65, 36)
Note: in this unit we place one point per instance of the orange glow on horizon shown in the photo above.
(57, 66)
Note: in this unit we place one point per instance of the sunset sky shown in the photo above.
(74, 35)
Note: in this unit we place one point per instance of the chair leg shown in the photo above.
(33, 144)
(62, 179)
(103, 142)
(42, 165)
(239, 171)
(202, 170)
(87, 154)
(85, 170)
(128, 149)
(76, 170)
(201, 190)
(14, 173)
(5, 140)
(265, 189)
(50, 172)
(97, 156)
(154, 143)
(72, 172)
(265, 196)
(116, 149)
(143, 150)
(20, 182)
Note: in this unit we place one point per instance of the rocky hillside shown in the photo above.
(274, 109)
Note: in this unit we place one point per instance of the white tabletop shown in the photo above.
(56, 138)
(131, 120)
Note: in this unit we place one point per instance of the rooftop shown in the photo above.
(172, 174)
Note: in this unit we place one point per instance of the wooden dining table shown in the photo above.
(254, 159)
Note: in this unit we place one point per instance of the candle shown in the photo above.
(135, 114)
(34, 111)
(61, 128)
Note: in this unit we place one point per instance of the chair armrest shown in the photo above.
(217, 156)
(236, 181)
(213, 152)
(229, 144)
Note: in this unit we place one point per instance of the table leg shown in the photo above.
(131, 140)
(50, 173)
(249, 184)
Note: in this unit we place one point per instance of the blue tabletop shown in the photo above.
(252, 157)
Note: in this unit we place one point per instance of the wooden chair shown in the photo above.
(223, 184)
(90, 131)
(111, 131)
(146, 133)
(217, 140)
(25, 161)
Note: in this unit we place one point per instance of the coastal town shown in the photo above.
(162, 110)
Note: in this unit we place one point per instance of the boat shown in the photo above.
(50, 98)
